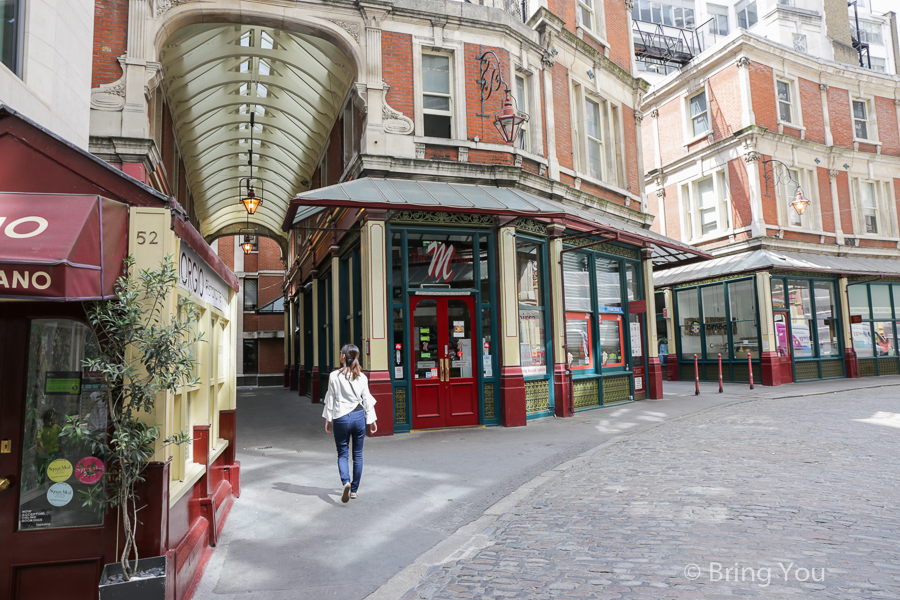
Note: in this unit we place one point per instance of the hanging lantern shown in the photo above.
(247, 244)
(508, 122)
(250, 201)
(800, 203)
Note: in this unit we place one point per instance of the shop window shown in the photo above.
(706, 206)
(633, 282)
(397, 266)
(861, 126)
(611, 344)
(746, 13)
(532, 314)
(440, 261)
(251, 357)
(689, 323)
(576, 271)
(577, 281)
(56, 469)
(662, 326)
(437, 99)
(250, 294)
(715, 321)
(813, 318)
(12, 34)
(399, 344)
(876, 335)
(801, 318)
(698, 113)
(744, 331)
(609, 286)
(778, 298)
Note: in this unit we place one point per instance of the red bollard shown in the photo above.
(750, 366)
(720, 372)
(696, 377)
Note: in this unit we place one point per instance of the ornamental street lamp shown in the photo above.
(508, 121)
(799, 203)
(246, 193)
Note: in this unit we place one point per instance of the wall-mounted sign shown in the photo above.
(200, 281)
(441, 257)
(60, 494)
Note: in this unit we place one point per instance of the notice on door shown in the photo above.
(459, 329)
(32, 519)
(636, 349)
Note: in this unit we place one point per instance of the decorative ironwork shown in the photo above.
(805, 371)
(888, 366)
(799, 203)
(537, 396)
(400, 405)
(489, 409)
(530, 226)
(832, 368)
(867, 367)
(616, 390)
(605, 248)
(741, 373)
(442, 218)
(802, 274)
(586, 393)
(509, 120)
(669, 47)
(708, 281)
(350, 28)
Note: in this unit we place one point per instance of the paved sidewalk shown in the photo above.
(425, 497)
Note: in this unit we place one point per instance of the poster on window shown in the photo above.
(636, 349)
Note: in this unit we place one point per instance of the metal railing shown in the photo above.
(665, 44)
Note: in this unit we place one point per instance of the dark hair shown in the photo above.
(48, 414)
(352, 361)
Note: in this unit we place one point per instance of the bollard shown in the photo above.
(750, 366)
(696, 377)
(720, 372)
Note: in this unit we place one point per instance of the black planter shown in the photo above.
(150, 588)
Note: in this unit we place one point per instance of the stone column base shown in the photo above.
(770, 365)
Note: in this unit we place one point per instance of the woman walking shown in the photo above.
(349, 408)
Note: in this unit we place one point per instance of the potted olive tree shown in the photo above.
(143, 353)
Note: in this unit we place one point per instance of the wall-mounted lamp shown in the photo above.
(799, 203)
(509, 120)
(246, 193)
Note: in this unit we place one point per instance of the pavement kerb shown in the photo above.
(476, 535)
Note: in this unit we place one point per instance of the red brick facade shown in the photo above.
(110, 40)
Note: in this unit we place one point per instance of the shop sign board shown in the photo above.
(200, 281)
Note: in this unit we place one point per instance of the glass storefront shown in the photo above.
(875, 338)
(57, 469)
(535, 350)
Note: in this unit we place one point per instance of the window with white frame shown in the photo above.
(698, 113)
(878, 64)
(718, 16)
(705, 206)
(595, 135)
(523, 82)
(746, 13)
(590, 16)
(861, 126)
(437, 100)
(787, 193)
(785, 92)
(868, 32)
(12, 34)
(867, 208)
(677, 14)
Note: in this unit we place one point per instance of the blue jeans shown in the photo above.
(350, 427)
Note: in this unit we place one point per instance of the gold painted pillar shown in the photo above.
(336, 316)
(851, 360)
(512, 382)
(654, 367)
(316, 383)
(562, 382)
(376, 326)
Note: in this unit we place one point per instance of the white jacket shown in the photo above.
(345, 393)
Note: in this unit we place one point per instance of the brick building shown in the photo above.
(261, 347)
(792, 107)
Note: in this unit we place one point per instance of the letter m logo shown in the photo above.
(441, 257)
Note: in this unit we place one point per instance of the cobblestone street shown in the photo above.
(773, 498)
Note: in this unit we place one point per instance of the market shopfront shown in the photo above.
(799, 317)
(66, 230)
(501, 306)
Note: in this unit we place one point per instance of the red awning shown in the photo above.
(59, 247)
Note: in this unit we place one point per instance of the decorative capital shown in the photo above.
(517, 161)
(751, 157)
(743, 63)
(661, 193)
(897, 102)
(542, 170)
(638, 117)
(629, 4)
(420, 150)
(462, 154)
(654, 114)
(823, 87)
(833, 173)
(351, 28)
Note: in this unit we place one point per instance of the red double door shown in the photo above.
(445, 373)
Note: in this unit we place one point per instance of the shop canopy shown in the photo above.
(431, 196)
(764, 260)
(59, 247)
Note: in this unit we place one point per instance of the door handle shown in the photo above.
(441, 367)
(4, 483)
(446, 363)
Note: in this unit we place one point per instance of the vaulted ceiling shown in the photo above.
(215, 76)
